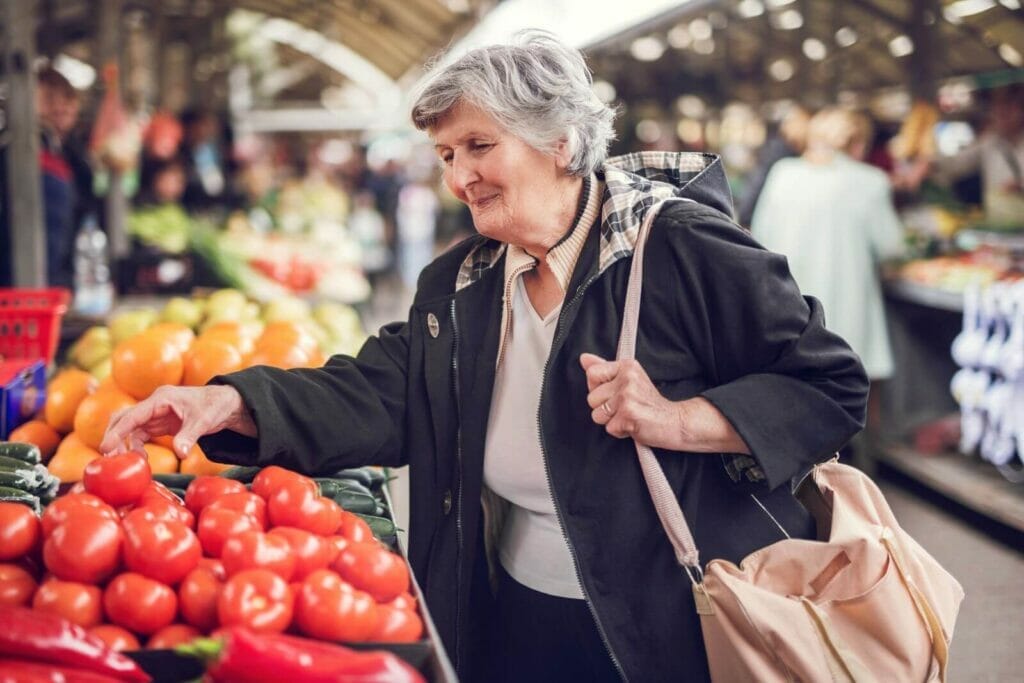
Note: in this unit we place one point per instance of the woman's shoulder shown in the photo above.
(689, 228)
(440, 276)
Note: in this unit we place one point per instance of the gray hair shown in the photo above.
(537, 88)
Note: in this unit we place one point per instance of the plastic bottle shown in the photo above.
(94, 293)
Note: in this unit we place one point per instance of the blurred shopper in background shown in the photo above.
(789, 142)
(206, 182)
(531, 529)
(416, 222)
(57, 107)
(832, 216)
(367, 226)
(998, 153)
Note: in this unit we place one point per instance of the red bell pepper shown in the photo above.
(29, 635)
(246, 657)
(25, 671)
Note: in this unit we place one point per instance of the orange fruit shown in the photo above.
(166, 440)
(198, 464)
(233, 333)
(208, 358)
(37, 432)
(181, 335)
(63, 395)
(94, 414)
(68, 463)
(161, 460)
(283, 332)
(279, 355)
(145, 362)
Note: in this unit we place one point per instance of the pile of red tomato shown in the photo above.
(124, 557)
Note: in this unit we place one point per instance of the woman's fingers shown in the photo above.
(599, 371)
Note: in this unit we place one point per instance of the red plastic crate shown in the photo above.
(30, 322)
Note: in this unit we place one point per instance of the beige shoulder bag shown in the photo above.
(864, 602)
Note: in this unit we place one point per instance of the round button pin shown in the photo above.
(433, 326)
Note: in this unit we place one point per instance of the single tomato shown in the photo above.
(85, 548)
(117, 638)
(157, 491)
(244, 502)
(79, 603)
(170, 637)
(204, 490)
(257, 550)
(167, 511)
(404, 601)
(396, 625)
(17, 586)
(118, 479)
(197, 598)
(164, 550)
(272, 478)
(217, 525)
(311, 552)
(20, 530)
(139, 603)
(330, 609)
(257, 599)
(293, 504)
(214, 566)
(354, 528)
(373, 568)
(58, 511)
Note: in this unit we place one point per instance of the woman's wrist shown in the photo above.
(239, 418)
(704, 429)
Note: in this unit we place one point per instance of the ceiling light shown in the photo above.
(704, 47)
(814, 49)
(901, 46)
(700, 29)
(966, 8)
(846, 36)
(1010, 54)
(691, 106)
(648, 131)
(1010, 4)
(679, 37)
(604, 91)
(690, 132)
(789, 20)
(775, 4)
(748, 9)
(647, 49)
(781, 70)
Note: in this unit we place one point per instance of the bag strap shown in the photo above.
(665, 503)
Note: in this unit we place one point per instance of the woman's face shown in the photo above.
(508, 185)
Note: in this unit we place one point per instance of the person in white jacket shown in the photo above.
(833, 217)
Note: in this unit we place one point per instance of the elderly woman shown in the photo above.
(531, 530)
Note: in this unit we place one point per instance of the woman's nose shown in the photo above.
(462, 174)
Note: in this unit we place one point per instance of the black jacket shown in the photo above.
(721, 317)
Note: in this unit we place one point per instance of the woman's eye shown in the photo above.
(481, 146)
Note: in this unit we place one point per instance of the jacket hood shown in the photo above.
(633, 184)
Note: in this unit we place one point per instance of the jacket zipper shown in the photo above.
(551, 492)
(458, 485)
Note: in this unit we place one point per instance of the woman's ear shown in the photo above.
(563, 155)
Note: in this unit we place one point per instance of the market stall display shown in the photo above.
(217, 569)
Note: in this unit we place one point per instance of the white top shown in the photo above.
(532, 547)
(834, 222)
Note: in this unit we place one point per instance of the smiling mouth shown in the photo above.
(484, 202)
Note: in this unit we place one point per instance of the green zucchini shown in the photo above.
(330, 487)
(180, 493)
(241, 473)
(353, 501)
(9, 463)
(25, 452)
(19, 479)
(370, 477)
(174, 480)
(382, 528)
(13, 495)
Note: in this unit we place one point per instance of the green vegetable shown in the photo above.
(174, 480)
(13, 495)
(241, 473)
(180, 493)
(353, 501)
(19, 479)
(382, 528)
(331, 487)
(9, 463)
(25, 452)
(370, 477)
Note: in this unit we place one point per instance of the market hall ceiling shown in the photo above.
(395, 35)
(811, 50)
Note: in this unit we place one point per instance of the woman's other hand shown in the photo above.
(623, 399)
(187, 413)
